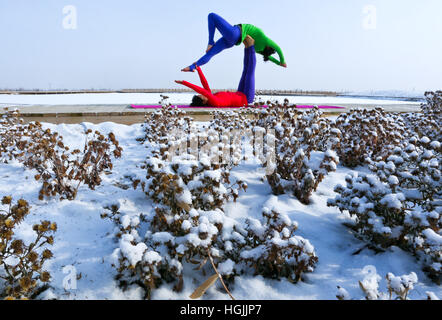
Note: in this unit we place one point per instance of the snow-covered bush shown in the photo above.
(296, 146)
(379, 213)
(187, 183)
(400, 203)
(170, 242)
(230, 120)
(273, 250)
(184, 171)
(398, 287)
(304, 146)
(20, 263)
(188, 191)
(11, 127)
(309, 125)
(427, 123)
(302, 149)
(173, 241)
(159, 126)
(416, 169)
(233, 131)
(367, 134)
(188, 225)
(186, 222)
(134, 263)
(62, 171)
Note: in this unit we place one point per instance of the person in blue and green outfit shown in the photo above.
(235, 35)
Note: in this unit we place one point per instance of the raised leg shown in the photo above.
(244, 71)
(249, 81)
(230, 36)
(229, 32)
(219, 46)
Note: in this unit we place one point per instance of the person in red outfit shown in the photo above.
(246, 90)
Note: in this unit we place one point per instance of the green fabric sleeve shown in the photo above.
(278, 50)
(276, 61)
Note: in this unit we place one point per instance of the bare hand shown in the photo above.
(179, 81)
(209, 47)
(284, 65)
(248, 41)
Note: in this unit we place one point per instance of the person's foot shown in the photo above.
(187, 69)
(249, 41)
(208, 48)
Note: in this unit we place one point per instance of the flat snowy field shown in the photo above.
(85, 241)
(175, 98)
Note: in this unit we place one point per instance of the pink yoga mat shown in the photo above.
(136, 106)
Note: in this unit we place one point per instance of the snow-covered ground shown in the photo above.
(85, 241)
(174, 98)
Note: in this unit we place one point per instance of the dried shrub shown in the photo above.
(189, 193)
(273, 250)
(427, 122)
(187, 183)
(184, 227)
(303, 154)
(188, 225)
(11, 130)
(230, 120)
(62, 171)
(367, 134)
(161, 124)
(304, 144)
(20, 263)
(172, 242)
(399, 204)
(233, 131)
(398, 287)
(134, 263)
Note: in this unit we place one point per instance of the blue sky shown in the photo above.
(144, 44)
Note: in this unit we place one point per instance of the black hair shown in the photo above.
(267, 52)
(197, 102)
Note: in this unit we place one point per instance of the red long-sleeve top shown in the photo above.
(219, 99)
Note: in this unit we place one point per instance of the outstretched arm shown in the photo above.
(276, 61)
(281, 61)
(203, 79)
(198, 89)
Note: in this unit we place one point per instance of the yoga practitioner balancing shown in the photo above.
(234, 35)
(246, 89)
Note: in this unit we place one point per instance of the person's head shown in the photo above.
(199, 101)
(267, 52)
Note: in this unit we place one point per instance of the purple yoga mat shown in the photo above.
(136, 106)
